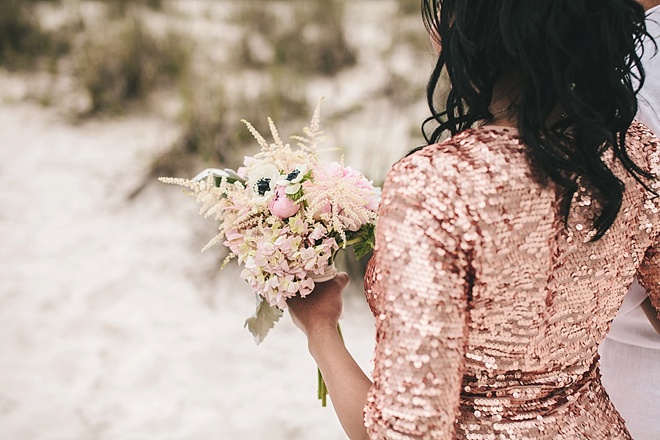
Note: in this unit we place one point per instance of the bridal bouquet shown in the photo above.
(284, 215)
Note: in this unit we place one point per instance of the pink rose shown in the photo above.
(282, 206)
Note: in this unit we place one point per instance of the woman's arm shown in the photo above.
(421, 269)
(317, 316)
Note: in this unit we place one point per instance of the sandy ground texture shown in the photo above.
(112, 324)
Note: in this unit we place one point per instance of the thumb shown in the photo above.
(342, 279)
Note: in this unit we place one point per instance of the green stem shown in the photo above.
(322, 388)
(352, 242)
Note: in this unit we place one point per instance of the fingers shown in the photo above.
(322, 308)
(339, 282)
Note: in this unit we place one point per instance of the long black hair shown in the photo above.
(576, 55)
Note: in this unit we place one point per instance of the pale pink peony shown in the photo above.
(281, 205)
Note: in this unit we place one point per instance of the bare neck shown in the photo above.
(504, 104)
(648, 4)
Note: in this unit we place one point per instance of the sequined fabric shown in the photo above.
(489, 311)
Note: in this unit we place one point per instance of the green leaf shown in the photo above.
(297, 196)
(364, 240)
(264, 318)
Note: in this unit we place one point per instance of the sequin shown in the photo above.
(489, 311)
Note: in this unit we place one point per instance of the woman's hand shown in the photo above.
(321, 309)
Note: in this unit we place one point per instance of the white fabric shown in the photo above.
(631, 325)
(649, 97)
(630, 355)
(631, 376)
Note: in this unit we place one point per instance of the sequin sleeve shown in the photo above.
(649, 270)
(422, 278)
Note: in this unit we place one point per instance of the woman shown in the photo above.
(504, 252)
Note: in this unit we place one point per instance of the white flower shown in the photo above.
(262, 179)
(292, 181)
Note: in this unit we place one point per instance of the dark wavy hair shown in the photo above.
(576, 55)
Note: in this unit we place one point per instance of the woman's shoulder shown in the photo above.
(459, 172)
(472, 152)
(473, 141)
(641, 132)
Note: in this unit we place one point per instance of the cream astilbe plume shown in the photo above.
(274, 133)
(255, 133)
(314, 136)
(277, 153)
(212, 198)
(281, 154)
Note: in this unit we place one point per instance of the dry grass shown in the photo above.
(308, 38)
(122, 8)
(284, 46)
(23, 42)
(409, 7)
(122, 64)
(205, 137)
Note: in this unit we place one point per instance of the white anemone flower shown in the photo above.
(263, 180)
(292, 181)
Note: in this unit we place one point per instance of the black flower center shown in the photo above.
(292, 175)
(262, 185)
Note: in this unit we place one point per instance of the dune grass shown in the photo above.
(22, 40)
(309, 37)
(122, 8)
(122, 64)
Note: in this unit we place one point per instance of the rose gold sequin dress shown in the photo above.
(489, 311)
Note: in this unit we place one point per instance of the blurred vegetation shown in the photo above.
(310, 39)
(410, 7)
(285, 46)
(22, 40)
(124, 7)
(124, 62)
(204, 138)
